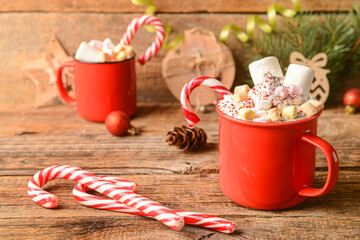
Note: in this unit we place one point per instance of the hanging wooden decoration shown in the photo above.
(199, 54)
(42, 72)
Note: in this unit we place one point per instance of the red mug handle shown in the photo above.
(333, 166)
(63, 93)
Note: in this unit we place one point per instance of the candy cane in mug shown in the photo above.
(129, 198)
(159, 38)
(199, 219)
(186, 108)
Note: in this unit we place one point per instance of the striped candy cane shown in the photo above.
(120, 182)
(159, 38)
(199, 219)
(128, 197)
(186, 108)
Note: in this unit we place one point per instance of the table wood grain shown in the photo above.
(32, 139)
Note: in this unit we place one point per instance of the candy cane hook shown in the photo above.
(128, 197)
(199, 219)
(159, 38)
(186, 108)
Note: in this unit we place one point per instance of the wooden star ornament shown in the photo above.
(43, 73)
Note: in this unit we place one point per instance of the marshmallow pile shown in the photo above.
(97, 51)
(274, 98)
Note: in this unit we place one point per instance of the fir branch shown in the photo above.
(335, 34)
(354, 17)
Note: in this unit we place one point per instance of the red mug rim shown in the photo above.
(261, 124)
(105, 62)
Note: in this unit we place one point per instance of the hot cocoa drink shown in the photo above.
(274, 98)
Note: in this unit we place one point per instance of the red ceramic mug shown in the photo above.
(271, 165)
(266, 166)
(101, 88)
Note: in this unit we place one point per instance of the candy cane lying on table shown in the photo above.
(186, 108)
(159, 38)
(129, 198)
(204, 220)
(120, 182)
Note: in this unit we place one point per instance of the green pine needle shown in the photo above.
(335, 34)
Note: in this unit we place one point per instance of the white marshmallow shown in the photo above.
(88, 54)
(262, 104)
(97, 44)
(258, 68)
(281, 91)
(262, 119)
(107, 42)
(301, 76)
(297, 100)
(295, 89)
(108, 46)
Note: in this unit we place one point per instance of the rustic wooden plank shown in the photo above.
(56, 135)
(338, 211)
(96, 228)
(88, 26)
(187, 192)
(55, 142)
(191, 192)
(68, 139)
(33, 31)
(341, 227)
(169, 6)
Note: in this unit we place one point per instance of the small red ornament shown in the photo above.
(352, 100)
(118, 124)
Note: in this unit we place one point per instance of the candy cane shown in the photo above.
(204, 220)
(131, 199)
(159, 38)
(186, 108)
(120, 182)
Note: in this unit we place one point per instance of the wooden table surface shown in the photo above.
(33, 139)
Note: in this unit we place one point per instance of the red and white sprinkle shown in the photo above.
(261, 92)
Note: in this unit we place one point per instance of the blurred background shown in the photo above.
(26, 27)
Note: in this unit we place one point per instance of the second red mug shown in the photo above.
(266, 166)
(101, 88)
(271, 166)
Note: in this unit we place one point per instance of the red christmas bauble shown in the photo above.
(352, 100)
(117, 123)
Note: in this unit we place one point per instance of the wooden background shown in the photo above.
(27, 25)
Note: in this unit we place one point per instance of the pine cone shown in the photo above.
(188, 139)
